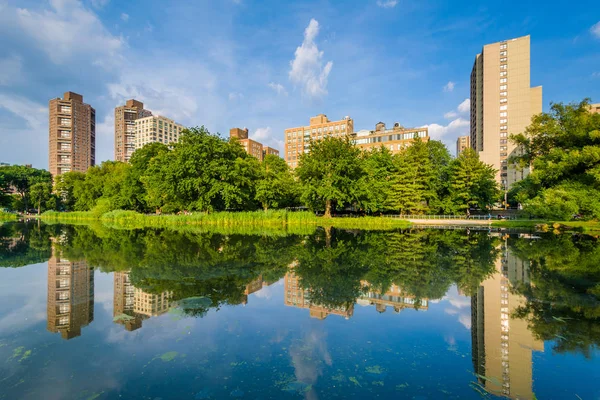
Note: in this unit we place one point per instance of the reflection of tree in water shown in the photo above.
(23, 244)
(563, 296)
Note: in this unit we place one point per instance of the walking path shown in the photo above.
(438, 222)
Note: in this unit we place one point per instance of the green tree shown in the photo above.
(379, 167)
(276, 186)
(20, 178)
(472, 182)
(563, 147)
(331, 174)
(413, 184)
(140, 160)
(40, 193)
(64, 186)
(203, 172)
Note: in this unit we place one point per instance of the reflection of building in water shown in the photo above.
(70, 296)
(132, 305)
(502, 346)
(254, 286)
(296, 296)
(394, 298)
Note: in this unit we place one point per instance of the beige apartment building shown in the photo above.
(72, 134)
(395, 139)
(502, 103)
(155, 128)
(462, 143)
(394, 297)
(595, 108)
(502, 345)
(125, 117)
(70, 304)
(297, 140)
(252, 147)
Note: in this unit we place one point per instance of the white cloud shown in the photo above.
(11, 68)
(451, 115)
(99, 3)
(449, 86)
(595, 29)
(307, 68)
(68, 30)
(35, 114)
(279, 88)
(387, 3)
(455, 128)
(465, 106)
(262, 133)
(595, 74)
(125, 17)
(233, 96)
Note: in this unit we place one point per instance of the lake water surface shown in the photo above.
(88, 312)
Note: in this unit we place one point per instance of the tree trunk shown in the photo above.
(328, 236)
(265, 207)
(327, 209)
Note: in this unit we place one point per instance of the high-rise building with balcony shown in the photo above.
(72, 134)
(156, 129)
(462, 143)
(502, 103)
(70, 305)
(125, 117)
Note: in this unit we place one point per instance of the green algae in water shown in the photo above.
(169, 356)
(377, 383)
(376, 369)
(16, 353)
(354, 380)
(25, 356)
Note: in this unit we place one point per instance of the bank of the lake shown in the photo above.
(5, 216)
(270, 219)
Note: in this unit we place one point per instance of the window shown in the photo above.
(503, 148)
(503, 121)
(503, 87)
(503, 59)
(503, 80)
(502, 53)
(504, 94)
(503, 141)
(503, 46)
(503, 73)
(63, 308)
(503, 66)
(503, 101)
(503, 114)
(503, 127)
(502, 108)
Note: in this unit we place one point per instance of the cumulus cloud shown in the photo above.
(451, 115)
(262, 133)
(279, 88)
(455, 128)
(67, 30)
(99, 3)
(449, 86)
(459, 306)
(595, 29)
(387, 3)
(307, 69)
(125, 17)
(465, 106)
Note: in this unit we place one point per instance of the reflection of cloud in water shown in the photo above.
(268, 291)
(23, 293)
(458, 305)
(308, 355)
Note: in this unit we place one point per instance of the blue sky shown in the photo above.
(269, 65)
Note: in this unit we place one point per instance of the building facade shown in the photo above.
(297, 140)
(125, 117)
(70, 304)
(394, 297)
(158, 129)
(595, 108)
(252, 147)
(396, 139)
(462, 143)
(502, 103)
(72, 134)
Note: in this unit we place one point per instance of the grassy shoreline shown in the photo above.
(4, 216)
(280, 220)
(257, 219)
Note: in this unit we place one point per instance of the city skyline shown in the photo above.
(321, 59)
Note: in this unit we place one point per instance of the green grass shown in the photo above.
(5, 216)
(256, 221)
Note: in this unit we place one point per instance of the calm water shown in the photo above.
(94, 313)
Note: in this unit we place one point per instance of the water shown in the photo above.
(95, 313)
